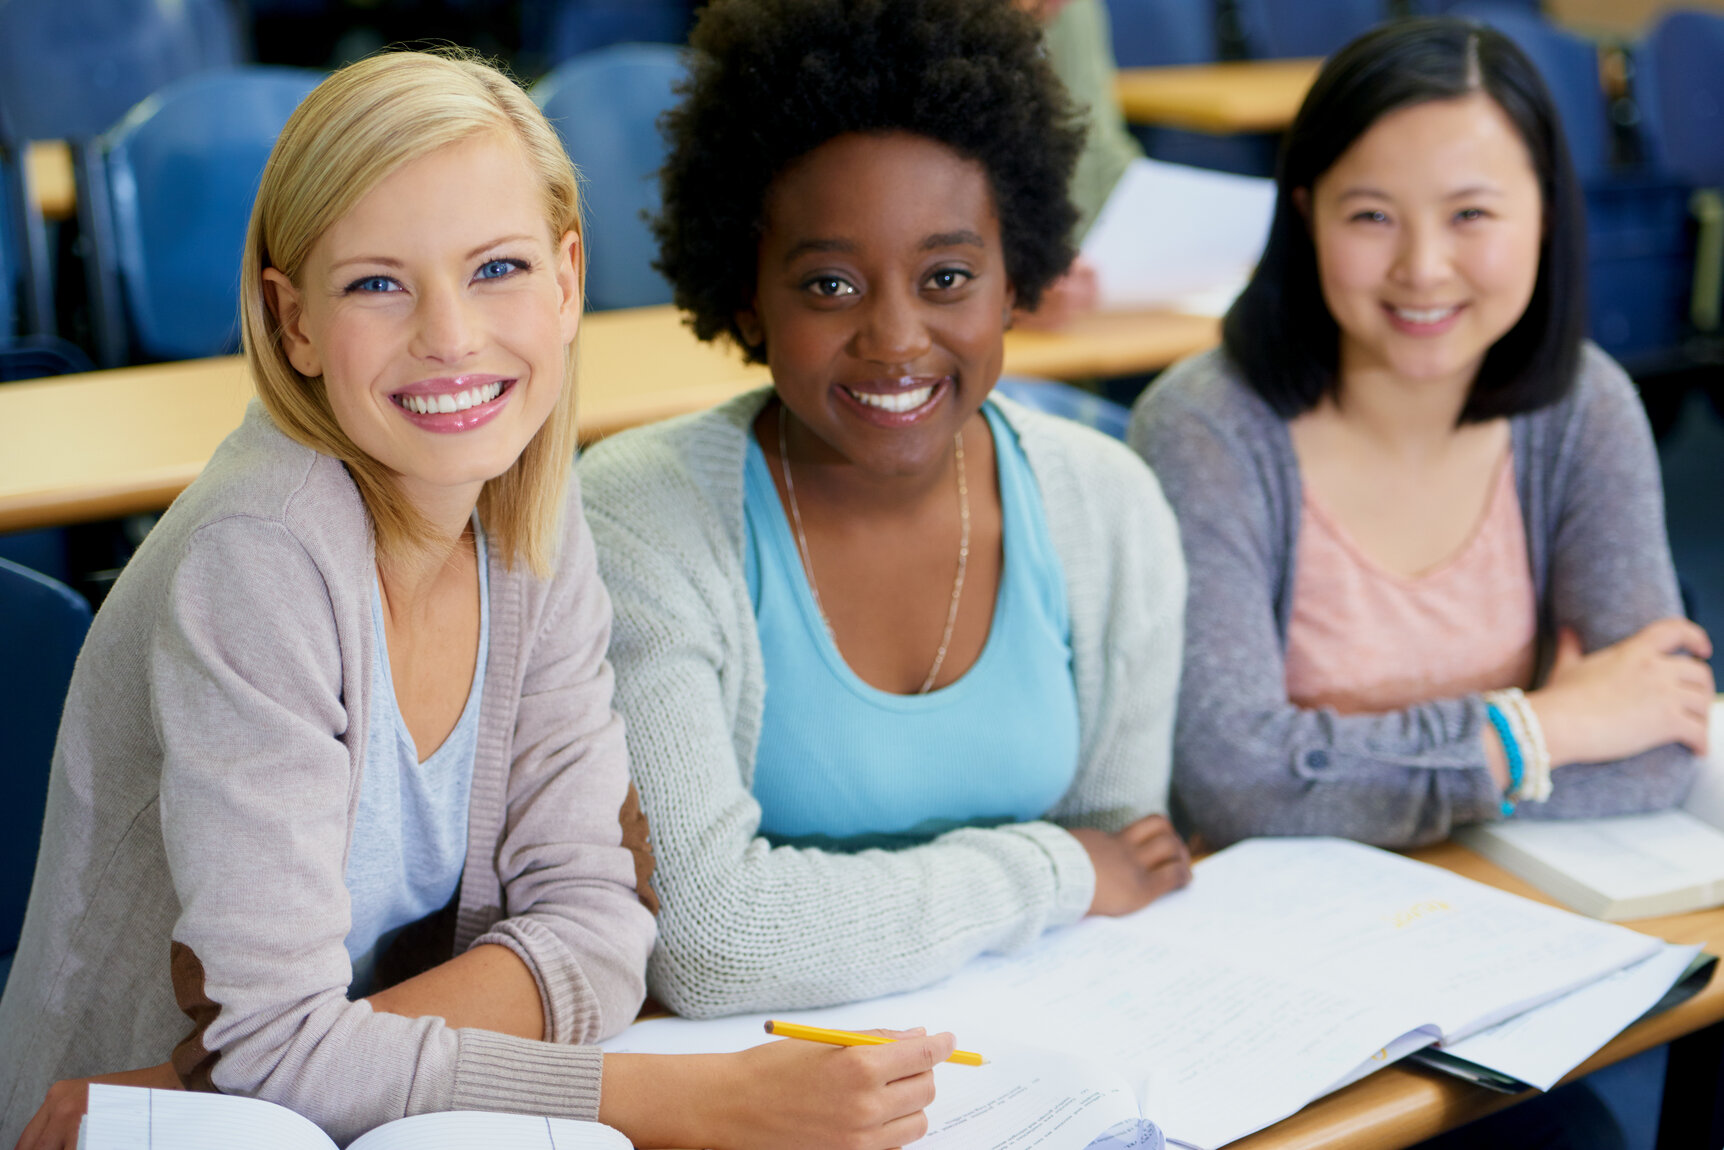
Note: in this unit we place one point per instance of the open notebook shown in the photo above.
(1627, 867)
(1289, 968)
(133, 1118)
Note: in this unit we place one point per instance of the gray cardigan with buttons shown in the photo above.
(1249, 762)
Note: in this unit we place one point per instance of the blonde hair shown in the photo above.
(355, 129)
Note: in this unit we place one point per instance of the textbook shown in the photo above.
(1287, 969)
(1629, 866)
(136, 1118)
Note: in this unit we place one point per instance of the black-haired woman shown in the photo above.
(897, 662)
(1430, 579)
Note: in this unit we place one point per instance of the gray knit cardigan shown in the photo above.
(745, 926)
(1249, 762)
(202, 801)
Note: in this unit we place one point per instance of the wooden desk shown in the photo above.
(48, 172)
(1239, 96)
(1399, 1106)
(118, 442)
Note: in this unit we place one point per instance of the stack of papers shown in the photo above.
(1294, 965)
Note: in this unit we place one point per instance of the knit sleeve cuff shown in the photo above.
(518, 1076)
(1074, 877)
(572, 1009)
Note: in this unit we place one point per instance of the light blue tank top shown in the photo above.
(842, 765)
(410, 833)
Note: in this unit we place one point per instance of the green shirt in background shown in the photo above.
(1080, 48)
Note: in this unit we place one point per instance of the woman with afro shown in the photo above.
(897, 660)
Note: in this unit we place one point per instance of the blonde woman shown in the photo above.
(340, 813)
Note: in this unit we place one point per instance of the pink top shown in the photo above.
(1362, 639)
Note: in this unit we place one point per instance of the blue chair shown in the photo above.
(605, 106)
(1679, 86)
(12, 272)
(1568, 65)
(170, 190)
(1274, 29)
(42, 626)
(578, 27)
(1158, 33)
(1064, 400)
(1444, 7)
(1164, 33)
(70, 68)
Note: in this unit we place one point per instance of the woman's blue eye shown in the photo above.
(374, 284)
(497, 269)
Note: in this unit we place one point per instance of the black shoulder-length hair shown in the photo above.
(1279, 331)
(772, 80)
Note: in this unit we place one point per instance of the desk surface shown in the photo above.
(1399, 1106)
(1239, 96)
(118, 442)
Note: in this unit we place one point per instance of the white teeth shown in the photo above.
(450, 402)
(895, 401)
(1426, 315)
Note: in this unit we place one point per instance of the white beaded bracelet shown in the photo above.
(1535, 754)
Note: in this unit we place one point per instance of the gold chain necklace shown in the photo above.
(808, 563)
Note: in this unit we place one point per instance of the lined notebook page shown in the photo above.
(131, 1118)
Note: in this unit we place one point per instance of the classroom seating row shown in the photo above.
(164, 197)
(1643, 124)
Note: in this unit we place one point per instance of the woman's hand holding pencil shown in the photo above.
(855, 1038)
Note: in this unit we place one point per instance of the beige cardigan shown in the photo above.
(203, 794)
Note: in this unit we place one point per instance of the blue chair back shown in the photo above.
(1159, 33)
(181, 172)
(11, 249)
(42, 626)
(1444, 7)
(1568, 65)
(70, 68)
(582, 26)
(605, 106)
(1679, 85)
(1276, 29)
(1063, 399)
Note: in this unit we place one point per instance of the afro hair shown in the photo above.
(772, 80)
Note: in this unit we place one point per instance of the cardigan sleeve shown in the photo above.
(1246, 760)
(1119, 547)
(248, 679)
(1611, 574)
(573, 860)
(747, 926)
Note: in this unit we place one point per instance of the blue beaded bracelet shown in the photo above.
(1511, 748)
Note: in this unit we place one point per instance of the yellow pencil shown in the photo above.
(851, 1038)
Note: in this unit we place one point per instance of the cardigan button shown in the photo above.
(1317, 760)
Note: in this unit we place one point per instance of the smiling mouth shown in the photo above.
(1425, 315)
(896, 402)
(450, 402)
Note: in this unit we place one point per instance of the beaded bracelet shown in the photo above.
(1511, 750)
(1535, 754)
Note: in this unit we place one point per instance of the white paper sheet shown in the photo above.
(1026, 1100)
(1540, 1046)
(1706, 799)
(133, 1118)
(1172, 235)
(1288, 964)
